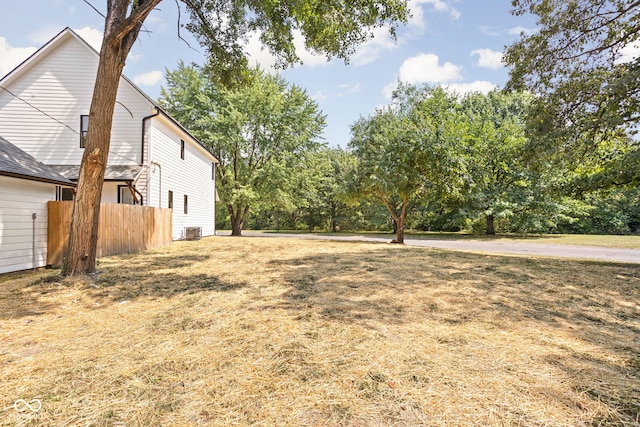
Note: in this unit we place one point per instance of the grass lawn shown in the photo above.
(290, 332)
(610, 241)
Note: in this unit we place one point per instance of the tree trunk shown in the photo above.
(237, 217)
(400, 228)
(334, 225)
(119, 35)
(490, 228)
(236, 225)
(398, 218)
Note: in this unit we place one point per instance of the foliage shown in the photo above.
(261, 132)
(500, 181)
(580, 62)
(615, 211)
(407, 151)
(326, 207)
(331, 27)
(583, 64)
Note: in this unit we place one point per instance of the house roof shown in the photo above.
(127, 173)
(68, 32)
(16, 163)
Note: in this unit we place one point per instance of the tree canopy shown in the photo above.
(500, 181)
(408, 151)
(584, 62)
(261, 132)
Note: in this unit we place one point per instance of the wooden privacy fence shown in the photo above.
(121, 229)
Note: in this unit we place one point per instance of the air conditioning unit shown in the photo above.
(193, 233)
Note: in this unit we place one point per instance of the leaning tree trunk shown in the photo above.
(398, 218)
(490, 227)
(120, 33)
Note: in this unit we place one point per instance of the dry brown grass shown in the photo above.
(274, 332)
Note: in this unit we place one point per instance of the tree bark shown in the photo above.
(400, 230)
(119, 35)
(236, 225)
(398, 218)
(490, 227)
(237, 218)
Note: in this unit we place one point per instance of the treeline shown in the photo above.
(324, 208)
(430, 160)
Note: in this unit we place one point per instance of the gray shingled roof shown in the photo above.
(112, 173)
(16, 163)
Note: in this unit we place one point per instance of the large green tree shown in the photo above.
(260, 131)
(500, 180)
(584, 62)
(333, 27)
(584, 67)
(331, 169)
(409, 151)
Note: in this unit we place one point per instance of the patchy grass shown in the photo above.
(610, 241)
(249, 331)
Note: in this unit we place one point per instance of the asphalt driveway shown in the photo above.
(494, 247)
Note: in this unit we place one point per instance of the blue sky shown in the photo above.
(456, 43)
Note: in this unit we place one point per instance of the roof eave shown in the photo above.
(37, 179)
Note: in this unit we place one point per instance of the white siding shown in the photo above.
(60, 84)
(19, 199)
(191, 177)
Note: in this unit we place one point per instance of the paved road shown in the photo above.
(521, 248)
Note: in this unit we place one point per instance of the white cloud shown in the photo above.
(319, 96)
(44, 34)
(372, 50)
(91, 36)
(516, 31)
(11, 57)
(349, 88)
(425, 68)
(417, 13)
(488, 58)
(481, 86)
(489, 30)
(148, 79)
(388, 89)
(260, 55)
(628, 53)
(135, 58)
(156, 24)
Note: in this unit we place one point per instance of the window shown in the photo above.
(84, 128)
(213, 171)
(64, 193)
(170, 200)
(182, 149)
(186, 205)
(126, 197)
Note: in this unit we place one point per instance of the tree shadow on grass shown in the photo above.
(123, 278)
(596, 303)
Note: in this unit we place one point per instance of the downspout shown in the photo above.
(33, 240)
(144, 128)
(143, 139)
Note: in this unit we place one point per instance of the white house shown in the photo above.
(153, 160)
(26, 186)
